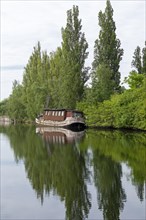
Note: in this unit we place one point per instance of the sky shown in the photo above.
(24, 23)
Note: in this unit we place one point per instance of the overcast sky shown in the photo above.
(24, 23)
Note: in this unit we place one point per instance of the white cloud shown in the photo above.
(24, 23)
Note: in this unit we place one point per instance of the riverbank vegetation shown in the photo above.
(127, 110)
(60, 79)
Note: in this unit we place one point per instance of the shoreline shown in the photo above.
(28, 122)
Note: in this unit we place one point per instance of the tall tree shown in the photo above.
(139, 59)
(35, 82)
(107, 49)
(74, 46)
(144, 59)
(136, 62)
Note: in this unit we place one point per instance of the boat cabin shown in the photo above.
(61, 114)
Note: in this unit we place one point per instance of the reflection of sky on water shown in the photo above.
(7, 77)
(133, 208)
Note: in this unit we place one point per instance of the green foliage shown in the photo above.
(35, 85)
(139, 59)
(55, 79)
(3, 107)
(107, 52)
(28, 99)
(15, 106)
(60, 78)
(102, 86)
(144, 58)
(74, 46)
(126, 110)
(136, 62)
(135, 80)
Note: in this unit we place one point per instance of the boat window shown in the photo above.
(77, 115)
(53, 113)
(45, 112)
(62, 113)
(56, 113)
(59, 113)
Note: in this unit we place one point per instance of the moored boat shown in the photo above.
(61, 118)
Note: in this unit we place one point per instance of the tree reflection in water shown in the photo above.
(59, 161)
(69, 173)
(111, 195)
(53, 162)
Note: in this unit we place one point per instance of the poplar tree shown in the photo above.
(136, 62)
(144, 59)
(35, 82)
(74, 46)
(139, 60)
(107, 51)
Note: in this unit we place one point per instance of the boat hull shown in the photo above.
(67, 123)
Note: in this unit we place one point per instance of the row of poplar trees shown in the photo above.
(59, 80)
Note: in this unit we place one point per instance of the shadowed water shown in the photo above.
(51, 173)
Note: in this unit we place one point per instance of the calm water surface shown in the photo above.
(59, 174)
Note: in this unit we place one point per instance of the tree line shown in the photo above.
(60, 79)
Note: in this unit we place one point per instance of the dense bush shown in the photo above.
(126, 110)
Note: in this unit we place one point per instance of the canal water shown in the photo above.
(51, 173)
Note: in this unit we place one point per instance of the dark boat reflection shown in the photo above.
(60, 136)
